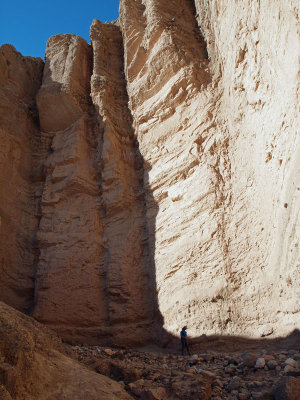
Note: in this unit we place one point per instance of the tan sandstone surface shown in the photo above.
(220, 138)
(151, 178)
(35, 365)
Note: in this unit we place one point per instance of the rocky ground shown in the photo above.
(36, 364)
(258, 374)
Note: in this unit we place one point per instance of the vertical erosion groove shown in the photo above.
(129, 296)
(70, 282)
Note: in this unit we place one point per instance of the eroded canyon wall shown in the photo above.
(163, 174)
(92, 237)
(256, 57)
(221, 142)
(20, 177)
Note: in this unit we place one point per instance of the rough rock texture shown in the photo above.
(287, 388)
(207, 374)
(20, 79)
(165, 175)
(260, 104)
(69, 291)
(128, 276)
(93, 243)
(219, 138)
(34, 365)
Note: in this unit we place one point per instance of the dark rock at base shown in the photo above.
(293, 373)
(4, 395)
(249, 359)
(262, 396)
(287, 388)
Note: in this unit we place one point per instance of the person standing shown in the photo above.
(184, 343)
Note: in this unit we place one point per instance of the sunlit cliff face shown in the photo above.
(153, 176)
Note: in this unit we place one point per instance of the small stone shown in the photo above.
(244, 394)
(272, 364)
(238, 360)
(193, 359)
(291, 362)
(260, 363)
(188, 374)
(288, 368)
(258, 383)
(191, 370)
(256, 395)
(268, 357)
(249, 359)
(234, 384)
(208, 358)
(217, 383)
(208, 374)
(109, 352)
(230, 369)
(154, 394)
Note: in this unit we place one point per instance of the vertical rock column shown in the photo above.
(129, 288)
(70, 282)
(20, 79)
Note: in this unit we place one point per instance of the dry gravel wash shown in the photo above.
(208, 375)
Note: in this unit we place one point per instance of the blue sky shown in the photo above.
(28, 24)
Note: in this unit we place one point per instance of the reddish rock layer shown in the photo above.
(20, 79)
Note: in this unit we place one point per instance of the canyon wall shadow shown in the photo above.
(165, 341)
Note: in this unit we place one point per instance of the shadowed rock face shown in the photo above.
(20, 178)
(160, 184)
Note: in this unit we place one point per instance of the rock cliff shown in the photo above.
(151, 178)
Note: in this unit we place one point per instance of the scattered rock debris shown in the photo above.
(210, 375)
